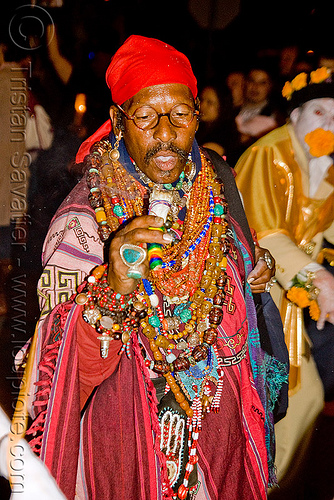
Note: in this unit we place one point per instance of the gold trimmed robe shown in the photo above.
(273, 178)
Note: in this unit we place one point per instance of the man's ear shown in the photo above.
(114, 118)
(294, 115)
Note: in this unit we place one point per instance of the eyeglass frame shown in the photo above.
(159, 115)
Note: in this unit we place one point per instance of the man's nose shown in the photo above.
(164, 130)
(329, 123)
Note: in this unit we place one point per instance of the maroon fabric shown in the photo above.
(57, 426)
(92, 368)
(226, 477)
(120, 457)
(118, 443)
(101, 132)
(117, 438)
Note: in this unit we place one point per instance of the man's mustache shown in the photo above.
(181, 153)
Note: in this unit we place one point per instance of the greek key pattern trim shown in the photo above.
(234, 360)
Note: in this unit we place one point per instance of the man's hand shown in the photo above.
(261, 277)
(137, 232)
(325, 282)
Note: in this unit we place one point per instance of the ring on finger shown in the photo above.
(132, 256)
(269, 284)
(268, 259)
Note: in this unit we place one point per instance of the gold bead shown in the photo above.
(114, 154)
(125, 337)
(81, 299)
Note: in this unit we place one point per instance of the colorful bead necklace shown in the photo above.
(193, 277)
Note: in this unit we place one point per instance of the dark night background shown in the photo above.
(213, 33)
(216, 35)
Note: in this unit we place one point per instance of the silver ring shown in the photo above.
(132, 256)
(269, 284)
(268, 259)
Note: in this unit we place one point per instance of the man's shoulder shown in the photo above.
(73, 231)
(220, 164)
(78, 197)
(273, 138)
(275, 144)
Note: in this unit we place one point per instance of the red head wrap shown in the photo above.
(142, 62)
(139, 63)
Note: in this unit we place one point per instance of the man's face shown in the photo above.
(258, 86)
(236, 83)
(161, 152)
(209, 105)
(317, 113)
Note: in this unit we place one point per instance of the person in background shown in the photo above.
(212, 130)
(148, 319)
(84, 79)
(287, 183)
(249, 110)
(259, 112)
(219, 107)
(14, 158)
(235, 82)
(326, 58)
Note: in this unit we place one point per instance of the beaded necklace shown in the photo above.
(114, 195)
(193, 276)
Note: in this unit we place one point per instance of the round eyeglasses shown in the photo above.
(145, 117)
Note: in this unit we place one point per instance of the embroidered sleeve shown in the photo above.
(71, 249)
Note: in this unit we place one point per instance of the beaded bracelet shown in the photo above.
(114, 316)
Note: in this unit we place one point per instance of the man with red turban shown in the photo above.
(148, 322)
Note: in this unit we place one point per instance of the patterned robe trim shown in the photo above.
(269, 373)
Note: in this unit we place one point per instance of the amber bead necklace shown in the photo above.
(193, 277)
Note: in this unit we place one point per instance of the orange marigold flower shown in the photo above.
(314, 310)
(320, 141)
(287, 91)
(298, 296)
(299, 82)
(319, 75)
